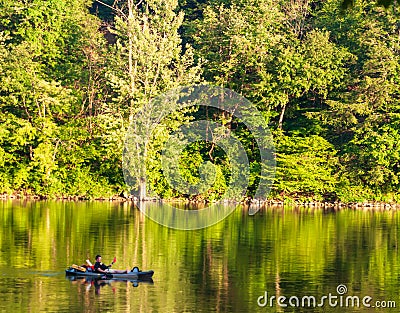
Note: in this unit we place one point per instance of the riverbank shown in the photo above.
(253, 203)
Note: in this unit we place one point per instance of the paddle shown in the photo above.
(114, 260)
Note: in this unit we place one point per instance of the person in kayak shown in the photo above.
(102, 268)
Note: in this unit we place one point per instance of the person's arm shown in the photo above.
(104, 268)
(100, 270)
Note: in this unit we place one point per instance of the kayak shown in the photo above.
(133, 275)
(104, 280)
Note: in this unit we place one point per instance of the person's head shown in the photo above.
(98, 258)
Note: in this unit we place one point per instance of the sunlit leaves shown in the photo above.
(306, 167)
(47, 58)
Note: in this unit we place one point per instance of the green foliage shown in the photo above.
(46, 62)
(237, 43)
(326, 79)
(378, 156)
(305, 167)
(346, 4)
(148, 57)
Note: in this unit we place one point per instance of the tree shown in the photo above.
(306, 167)
(48, 97)
(362, 113)
(268, 53)
(148, 59)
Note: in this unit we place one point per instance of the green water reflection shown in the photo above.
(223, 268)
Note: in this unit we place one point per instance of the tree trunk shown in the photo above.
(281, 116)
(142, 189)
(130, 58)
(142, 192)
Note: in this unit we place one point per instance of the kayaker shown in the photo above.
(102, 268)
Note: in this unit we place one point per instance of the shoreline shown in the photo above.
(336, 205)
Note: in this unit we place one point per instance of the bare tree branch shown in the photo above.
(112, 8)
(139, 3)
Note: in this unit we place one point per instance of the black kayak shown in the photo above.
(136, 275)
(104, 280)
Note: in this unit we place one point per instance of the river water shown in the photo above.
(237, 265)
